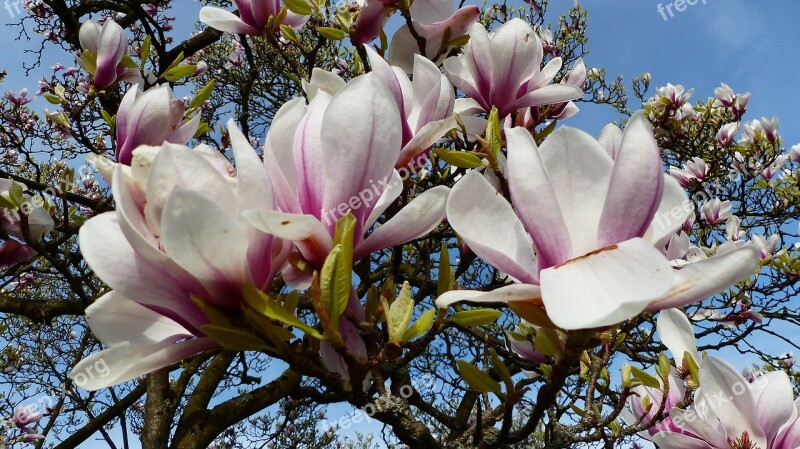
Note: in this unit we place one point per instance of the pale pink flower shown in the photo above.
(252, 19)
(504, 70)
(592, 219)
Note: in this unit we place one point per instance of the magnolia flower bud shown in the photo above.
(727, 133)
(104, 47)
(715, 211)
(151, 118)
(794, 153)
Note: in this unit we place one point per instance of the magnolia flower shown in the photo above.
(716, 211)
(518, 342)
(151, 118)
(504, 70)
(599, 227)
(12, 253)
(434, 21)
(727, 133)
(670, 97)
(253, 17)
(731, 413)
(794, 153)
(337, 155)
(425, 104)
(765, 246)
(177, 239)
(576, 77)
(723, 96)
(697, 168)
(39, 221)
(774, 168)
(104, 47)
(733, 229)
(675, 331)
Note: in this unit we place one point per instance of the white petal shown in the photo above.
(677, 334)
(607, 286)
(509, 293)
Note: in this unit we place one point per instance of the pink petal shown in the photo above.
(636, 185)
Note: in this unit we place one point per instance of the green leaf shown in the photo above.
(544, 344)
(420, 326)
(89, 61)
(475, 317)
(460, 159)
(334, 295)
(289, 34)
(16, 195)
(128, 63)
(646, 379)
(202, 95)
(263, 304)
(180, 72)
(445, 281)
(202, 129)
(145, 51)
(494, 132)
(500, 368)
(234, 339)
(627, 375)
(110, 121)
(301, 7)
(334, 34)
(400, 314)
(52, 99)
(477, 379)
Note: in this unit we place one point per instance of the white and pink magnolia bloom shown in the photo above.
(576, 77)
(433, 20)
(337, 155)
(107, 46)
(12, 253)
(588, 238)
(425, 103)
(253, 17)
(151, 118)
(178, 236)
(676, 333)
(794, 153)
(39, 221)
(727, 133)
(774, 168)
(716, 211)
(730, 412)
(504, 70)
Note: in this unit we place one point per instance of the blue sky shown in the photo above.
(752, 46)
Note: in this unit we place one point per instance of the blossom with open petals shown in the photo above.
(177, 238)
(433, 20)
(504, 70)
(253, 17)
(588, 238)
(731, 412)
(337, 155)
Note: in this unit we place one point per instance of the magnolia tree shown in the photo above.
(293, 220)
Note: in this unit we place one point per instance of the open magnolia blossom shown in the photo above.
(676, 333)
(337, 155)
(425, 103)
(504, 70)
(177, 239)
(253, 17)
(731, 413)
(588, 239)
(104, 48)
(151, 118)
(434, 21)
